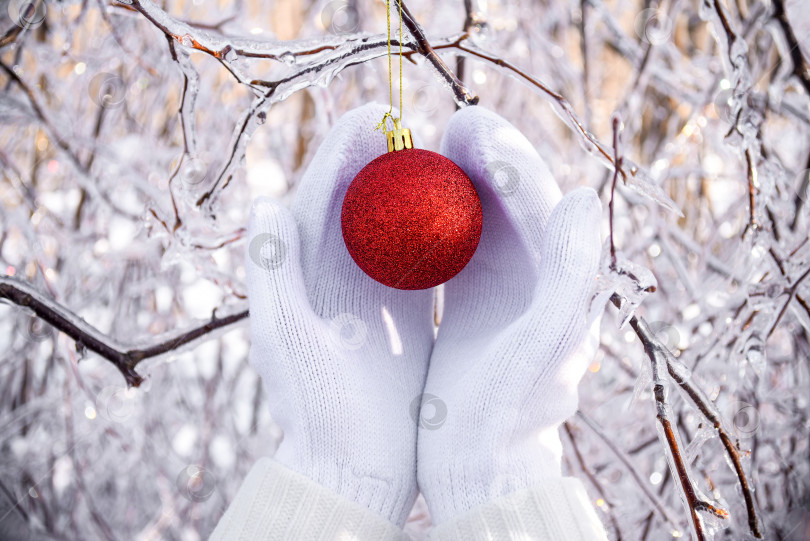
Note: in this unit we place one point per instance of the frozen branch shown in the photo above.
(654, 500)
(800, 68)
(472, 19)
(791, 291)
(704, 405)
(617, 164)
(59, 139)
(331, 57)
(125, 358)
(751, 176)
(660, 359)
(29, 12)
(669, 433)
(631, 174)
(423, 47)
(592, 478)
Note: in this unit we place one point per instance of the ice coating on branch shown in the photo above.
(695, 446)
(630, 281)
(692, 498)
(189, 103)
(640, 181)
(641, 386)
(635, 177)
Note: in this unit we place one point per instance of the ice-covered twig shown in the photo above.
(655, 501)
(668, 432)
(191, 85)
(60, 140)
(704, 405)
(461, 93)
(617, 164)
(201, 37)
(124, 357)
(461, 44)
(800, 68)
(29, 10)
(731, 36)
(594, 481)
(656, 352)
(799, 198)
(318, 71)
(791, 291)
(472, 18)
(102, 526)
(333, 56)
(751, 177)
(631, 174)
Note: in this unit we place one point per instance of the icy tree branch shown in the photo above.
(661, 360)
(800, 68)
(423, 47)
(669, 433)
(627, 462)
(330, 56)
(125, 358)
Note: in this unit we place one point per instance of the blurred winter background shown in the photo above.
(134, 135)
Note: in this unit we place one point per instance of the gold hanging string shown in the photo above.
(401, 111)
(389, 114)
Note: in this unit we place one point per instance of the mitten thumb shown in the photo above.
(570, 254)
(569, 263)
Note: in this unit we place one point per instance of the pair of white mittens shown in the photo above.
(346, 361)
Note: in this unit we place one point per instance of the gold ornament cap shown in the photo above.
(399, 138)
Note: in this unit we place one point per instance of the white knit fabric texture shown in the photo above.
(514, 339)
(341, 356)
(557, 510)
(275, 504)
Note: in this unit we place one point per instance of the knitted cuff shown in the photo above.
(390, 494)
(553, 510)
(454, 485)
(277, 503)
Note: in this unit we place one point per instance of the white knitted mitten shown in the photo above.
(514, 339)
(341, 356)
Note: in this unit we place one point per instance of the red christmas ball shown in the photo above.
(411, 219)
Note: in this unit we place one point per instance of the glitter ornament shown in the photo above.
(411, 218)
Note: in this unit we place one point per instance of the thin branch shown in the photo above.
(594, 481)
(730, 34)
(565, 109)
(801, 194)
(752, 179)
(369, 47)
(461, 93)
(668, 432)
(125, 358)
(791, 291)
(617, 164)
(800, 68)
(655, 350)
(655, 501)
(583, 47)
(702, 403)
(10, 35)
(178, 30)
(471, 19)
(64, 146)
(77, 215)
